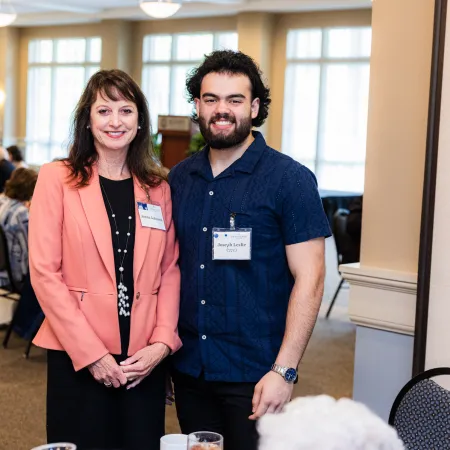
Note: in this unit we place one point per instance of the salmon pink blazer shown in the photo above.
(73, 276)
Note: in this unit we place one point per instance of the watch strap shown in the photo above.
(280, 370)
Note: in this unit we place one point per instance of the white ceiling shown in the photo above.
(52, 12)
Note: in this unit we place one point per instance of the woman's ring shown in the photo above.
(108, 384)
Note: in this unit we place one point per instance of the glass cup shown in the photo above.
(173, 442)
(205, 440)
(57, 446)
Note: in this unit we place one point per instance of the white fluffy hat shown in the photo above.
(323, 423)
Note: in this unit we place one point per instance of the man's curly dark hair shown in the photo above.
(231, 62)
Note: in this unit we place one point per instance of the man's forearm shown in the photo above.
(304, 305)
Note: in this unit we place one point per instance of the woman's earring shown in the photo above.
(139, 127)
(88, 127)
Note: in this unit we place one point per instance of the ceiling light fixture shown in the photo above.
(160, 9)
(7, 13)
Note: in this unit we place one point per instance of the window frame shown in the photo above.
(324, 61)
(53, 66)
(173, 62)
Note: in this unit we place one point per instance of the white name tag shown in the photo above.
(232, 244)
(151, 216)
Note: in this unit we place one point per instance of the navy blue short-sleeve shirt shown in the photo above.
(233, 313)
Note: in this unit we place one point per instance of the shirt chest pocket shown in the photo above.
(260, 218)
(265, 227)
(259, 221)
(241, 220)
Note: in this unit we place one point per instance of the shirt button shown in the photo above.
(202, 266)
(211, 192)
(203, 302)
(204, 337)
(205, 229)
(138, 295)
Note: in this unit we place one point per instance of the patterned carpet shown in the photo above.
(327, 367)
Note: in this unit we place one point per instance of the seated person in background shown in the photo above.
(323, 423)
(15, 156)
(14, 207)
(354, 226)
(6, 168)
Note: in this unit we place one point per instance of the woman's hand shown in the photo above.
(108, 372)
(140, 365)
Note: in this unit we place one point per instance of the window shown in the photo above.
(57, 73)
(326, 101)
(167, 60)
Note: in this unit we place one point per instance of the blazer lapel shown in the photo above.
(143, 234)
(94, 208)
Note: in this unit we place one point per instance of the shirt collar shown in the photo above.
(246, 163)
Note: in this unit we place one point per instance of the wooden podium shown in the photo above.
(176, 136)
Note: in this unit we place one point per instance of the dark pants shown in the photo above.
(216, 406)
(82, 411)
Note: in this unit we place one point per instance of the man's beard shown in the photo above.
(223, 140)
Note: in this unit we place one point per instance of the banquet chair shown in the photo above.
(421, 412)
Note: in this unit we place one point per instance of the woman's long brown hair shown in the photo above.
(141, 160)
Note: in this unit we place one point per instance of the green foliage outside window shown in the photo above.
(196, 144)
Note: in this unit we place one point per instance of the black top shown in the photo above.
(119, 199)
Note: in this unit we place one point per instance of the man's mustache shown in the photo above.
(224, 116)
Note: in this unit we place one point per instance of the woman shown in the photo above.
(15, 156)
(14, 221)
(105, 273)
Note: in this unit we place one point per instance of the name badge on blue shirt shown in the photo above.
(151, 216)
(232, 244)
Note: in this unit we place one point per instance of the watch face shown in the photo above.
(291, 375)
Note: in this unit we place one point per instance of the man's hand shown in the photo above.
(141, 364)
(271, 394)
(108, 372)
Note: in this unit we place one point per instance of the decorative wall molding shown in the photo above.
(54, 12)
(380, 278)
(381, 299)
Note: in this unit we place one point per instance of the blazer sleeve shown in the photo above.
(45, 245)
(167, 309)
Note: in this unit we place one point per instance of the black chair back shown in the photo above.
(5, 264)
(333, 201)
(344, 247)
(421, 412)
(4, 256)
(28, 316)
(344, 244)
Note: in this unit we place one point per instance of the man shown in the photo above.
(251, 229)
(15, 157)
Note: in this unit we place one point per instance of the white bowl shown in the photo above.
(57, 446)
